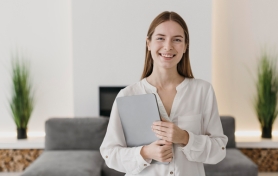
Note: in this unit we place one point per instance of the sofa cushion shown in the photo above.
(66, 163)
(106, 171)
(75, 133)
(234, 164)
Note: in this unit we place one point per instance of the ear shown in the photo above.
(148, 44)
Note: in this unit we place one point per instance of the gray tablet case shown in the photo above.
(137, 114)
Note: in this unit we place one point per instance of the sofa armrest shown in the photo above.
(75, 133)
(228, 124)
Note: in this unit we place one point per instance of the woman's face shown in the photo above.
(167, 44)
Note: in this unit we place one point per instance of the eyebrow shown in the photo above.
(173, 36)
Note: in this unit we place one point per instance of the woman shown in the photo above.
(190, 129)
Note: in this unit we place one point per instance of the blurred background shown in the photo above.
(77, 46)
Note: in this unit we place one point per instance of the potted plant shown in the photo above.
(22, 102)
(265, 101)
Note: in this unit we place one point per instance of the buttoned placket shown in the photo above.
(172, 114)
(163, 112)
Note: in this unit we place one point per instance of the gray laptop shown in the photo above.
(137, 114)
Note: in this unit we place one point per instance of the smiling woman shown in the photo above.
(167, 45)
(173, 32)
(190, 130)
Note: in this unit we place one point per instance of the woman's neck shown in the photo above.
(165, 79)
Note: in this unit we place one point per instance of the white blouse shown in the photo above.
(194, 109)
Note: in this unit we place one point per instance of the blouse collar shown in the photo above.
(154, 89)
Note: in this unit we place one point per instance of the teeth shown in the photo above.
(166, 55)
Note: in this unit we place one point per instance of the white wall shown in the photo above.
(77, 46)
(109, 43)
(240, 30)
(42, 29)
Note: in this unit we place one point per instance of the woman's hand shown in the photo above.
(170, 132)
(159, 150)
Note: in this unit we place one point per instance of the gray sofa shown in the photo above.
(72, 149)
(235, 163)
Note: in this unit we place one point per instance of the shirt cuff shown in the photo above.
(188, 146)
(140, 160)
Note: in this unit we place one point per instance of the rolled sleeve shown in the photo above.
(188, 146)
(142, 163)
(210, 146)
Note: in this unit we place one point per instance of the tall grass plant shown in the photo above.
(265, 101)
(22, 100)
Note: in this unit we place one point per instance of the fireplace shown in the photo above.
(107, 96)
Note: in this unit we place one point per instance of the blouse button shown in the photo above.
(223, 148)
(106, 157)
(145, 164)
(171, 172)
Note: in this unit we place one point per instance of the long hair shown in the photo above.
(183, 67)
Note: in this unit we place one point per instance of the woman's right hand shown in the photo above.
(159, 150)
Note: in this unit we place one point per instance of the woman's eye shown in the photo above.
(178, 40)
(159, 38)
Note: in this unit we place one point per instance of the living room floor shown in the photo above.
(18, 174)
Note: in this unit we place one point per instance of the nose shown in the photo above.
(168, 45)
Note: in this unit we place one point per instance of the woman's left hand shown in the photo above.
(170, 132)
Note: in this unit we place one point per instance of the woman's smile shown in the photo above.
(166, 56)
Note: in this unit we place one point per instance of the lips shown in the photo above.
(167, 56)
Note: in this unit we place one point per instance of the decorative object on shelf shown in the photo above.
(265, 101)
(22, 100)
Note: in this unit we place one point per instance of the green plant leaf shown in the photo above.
(265, 100)
(21, 103)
